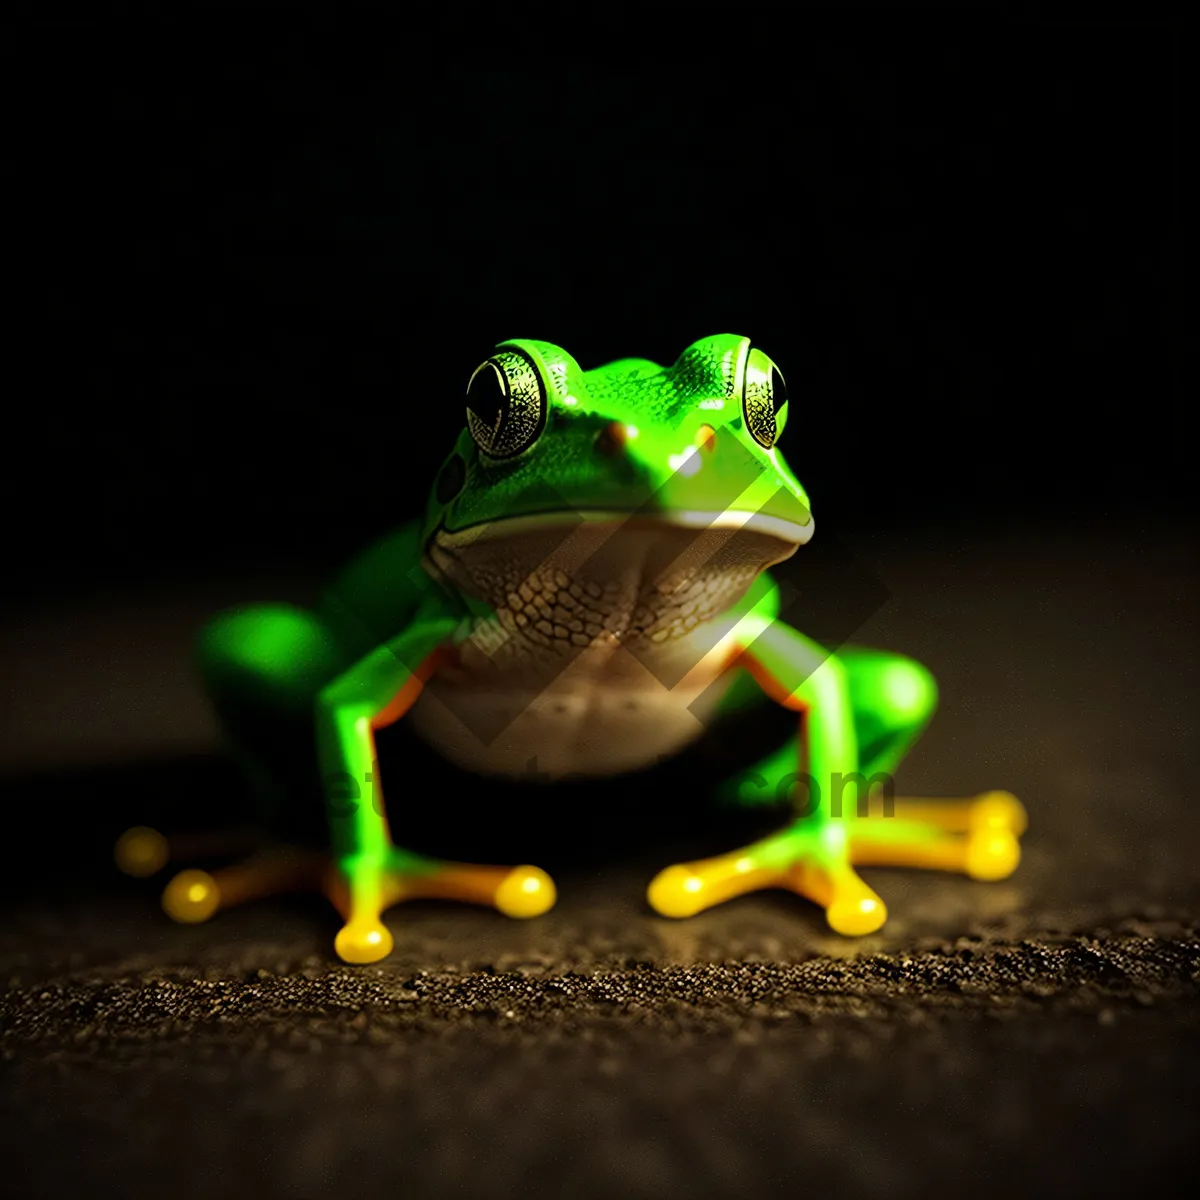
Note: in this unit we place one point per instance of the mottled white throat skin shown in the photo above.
(601, 654)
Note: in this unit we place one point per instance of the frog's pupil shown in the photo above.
(486, 397)
(450, 480)
(778, 390)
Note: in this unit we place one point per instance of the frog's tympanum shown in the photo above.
(589, 588)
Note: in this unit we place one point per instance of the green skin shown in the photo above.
(679, 446)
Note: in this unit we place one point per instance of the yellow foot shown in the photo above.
(817, 872)
(977, 837)
(195, 896)
(363, 893)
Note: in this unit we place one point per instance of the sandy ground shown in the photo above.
(1036, 1036)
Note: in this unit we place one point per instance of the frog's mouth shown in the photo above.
(570, 579)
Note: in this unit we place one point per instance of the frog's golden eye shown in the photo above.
(764, 399)
(506, 404)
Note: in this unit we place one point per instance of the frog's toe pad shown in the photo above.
(363, 942)
(856, 916)
(191, 897)
(525, 892)
(141, 852)
(992, 853)
(677, 891)
(999, 810)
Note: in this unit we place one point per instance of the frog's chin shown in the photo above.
(789, 532)
(653, 575)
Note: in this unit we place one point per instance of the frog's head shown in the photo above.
(618, 476)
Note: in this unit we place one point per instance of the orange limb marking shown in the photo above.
(406, 697)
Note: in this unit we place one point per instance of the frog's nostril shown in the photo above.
(612, 439)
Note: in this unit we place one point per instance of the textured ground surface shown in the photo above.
(1040, 1035)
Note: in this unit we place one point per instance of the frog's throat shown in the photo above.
(565, 583)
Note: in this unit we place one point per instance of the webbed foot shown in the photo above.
(360, 889)
(813, 863)
(977, 837)
(363, 889)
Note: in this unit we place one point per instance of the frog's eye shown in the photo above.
(764, 399)
(506, 404)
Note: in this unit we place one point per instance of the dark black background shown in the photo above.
(252, 260)
(257, 256)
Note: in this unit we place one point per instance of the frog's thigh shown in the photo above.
(263, 667)
(893, 698)
(270, 657)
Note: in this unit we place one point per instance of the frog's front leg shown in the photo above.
(811, 854)
(369, 872)
(859, 714)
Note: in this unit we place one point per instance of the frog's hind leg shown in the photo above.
(262, 666)
(893, 699)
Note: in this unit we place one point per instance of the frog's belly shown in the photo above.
(568, 728)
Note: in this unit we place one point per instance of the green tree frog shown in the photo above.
(589, 588)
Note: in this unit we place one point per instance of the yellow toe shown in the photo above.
(526, 892)
(676, 892)
(141, 851)
(363, 943)
(992, 853)
(999, 810)
(856, 916)
(191, 897)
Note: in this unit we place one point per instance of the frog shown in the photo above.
(594, 581)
